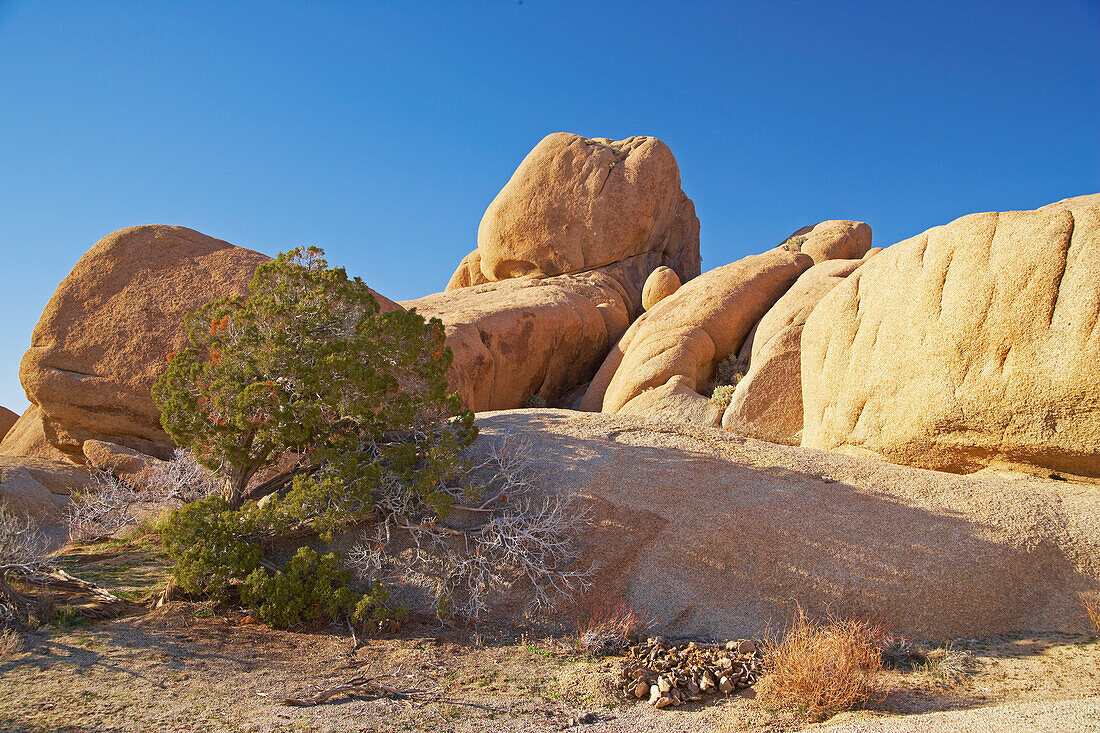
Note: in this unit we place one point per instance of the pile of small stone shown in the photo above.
(672, 674)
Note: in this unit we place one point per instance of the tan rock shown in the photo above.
(689, 332)
(973, 344)
(576, 204)
(7, 419)
(768, 400)
(39, 488)
(27, 437)
(528, 336)
(720, 536)
(660, 284)
(675, 400)
(836, 239)
(118, 459)
(106, 333)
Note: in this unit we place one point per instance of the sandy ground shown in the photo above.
(196, 667)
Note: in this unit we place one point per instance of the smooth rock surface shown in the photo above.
(768, 400)
(39, 488)
(27, 437)
(835, 239)
(528, 336)
(719, 535)
(660, 284)
(576, 204)
(973, 344)
(689, 332)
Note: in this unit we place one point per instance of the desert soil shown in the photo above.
(196, 667)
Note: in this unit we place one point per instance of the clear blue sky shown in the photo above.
(381, 131)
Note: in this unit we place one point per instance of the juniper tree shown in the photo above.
(307, 365)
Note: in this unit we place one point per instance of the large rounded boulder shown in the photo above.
(973, 344)
(576, 204)
(106, 333)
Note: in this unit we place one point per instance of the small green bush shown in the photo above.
(312, 588)
(794, 242)
(534, 401)
(212, 546)
(722, 395)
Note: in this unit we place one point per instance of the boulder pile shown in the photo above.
(672, 674)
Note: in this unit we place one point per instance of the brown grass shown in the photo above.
(821, 668)
(606, 626)
(10, 643)
(1092, 610)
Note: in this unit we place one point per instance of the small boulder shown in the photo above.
(660, 284)
(836, 239)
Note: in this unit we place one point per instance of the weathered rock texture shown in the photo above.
(103, 338)
(564, 253)
(719, 535)
(528, 336)
(27, 437)
(689, 332)
(973, 344)
(660, 284)
(576, 204)
(7, 419)
(39, 488)
(768, 400)
(836, 239)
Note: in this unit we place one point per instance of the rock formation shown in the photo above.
(7, 419)
(104, 336)
(39, 488)
(688, 333)
(768, 400)
(719, 536)
(973, 344)
(836, 239)
(576, 204)
(660, 284)
(564, 252)
(529, 336)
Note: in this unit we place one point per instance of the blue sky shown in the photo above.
(381, 131)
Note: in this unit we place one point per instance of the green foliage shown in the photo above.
(794, 242)
(312, 588)
(213, 546)
(731, 370)
(722, 395)
(307, 363)
(534, 401)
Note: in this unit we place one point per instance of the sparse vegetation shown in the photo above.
(11, 643)
(534, 400)
(722, 395)
(306, 377)
(607, 626)
(822, 667)
(794, 242)
(1091, 603)
(947, 665)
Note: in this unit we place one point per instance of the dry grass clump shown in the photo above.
(606, 626)
(10, 643)
(1092, 610)
(821, 668)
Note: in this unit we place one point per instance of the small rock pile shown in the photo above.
(672, 674)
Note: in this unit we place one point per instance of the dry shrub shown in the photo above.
(10, 643)
(822, 667)
(607, 626)
(1092, 610)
